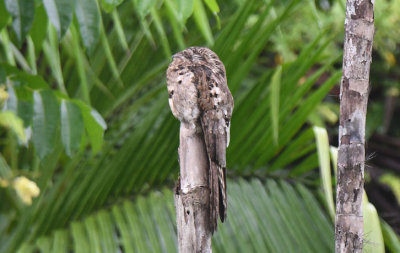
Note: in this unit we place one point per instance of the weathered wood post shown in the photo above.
(192, 195)
(354, 90)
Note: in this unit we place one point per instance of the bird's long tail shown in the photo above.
(215, 140)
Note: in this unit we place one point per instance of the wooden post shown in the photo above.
(199, 97)
(192, 195)
(359, 32)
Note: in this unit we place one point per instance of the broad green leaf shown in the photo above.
(274, 93)
(321, 136)
(94, 125)
(38, 32)
(60, 14)
(98, 119)
(45, 122)
(6, 43)
(4, 16)
(22, 13)
(392, 240)
(393, 181)
(109, 5)
(17, 105)
(185, 9)
(12, 101)
(71, 126)
(60, 95)
(9, 120)
(22, 78)
(373, 238)
(88, 15)
(200, 17)
(25, 111)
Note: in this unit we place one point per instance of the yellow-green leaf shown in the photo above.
(275, 87)
(321, 136)
(373, 238)
(9, 120)
(22, 13)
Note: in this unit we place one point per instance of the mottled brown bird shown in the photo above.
(199, 96)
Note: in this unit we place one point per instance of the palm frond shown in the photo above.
(261, 219)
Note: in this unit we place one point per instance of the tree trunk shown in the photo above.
(359, 32)
(192, 195)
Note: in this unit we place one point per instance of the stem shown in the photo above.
(359, 32)
(192, 195)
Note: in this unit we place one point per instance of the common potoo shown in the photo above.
(199, 96)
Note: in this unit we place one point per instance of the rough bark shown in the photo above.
(192, 195)
(359, 32)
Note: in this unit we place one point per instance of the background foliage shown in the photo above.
(85, 119)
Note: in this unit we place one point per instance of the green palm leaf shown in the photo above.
(261, 219)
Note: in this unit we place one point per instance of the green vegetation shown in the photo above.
(85, 116)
